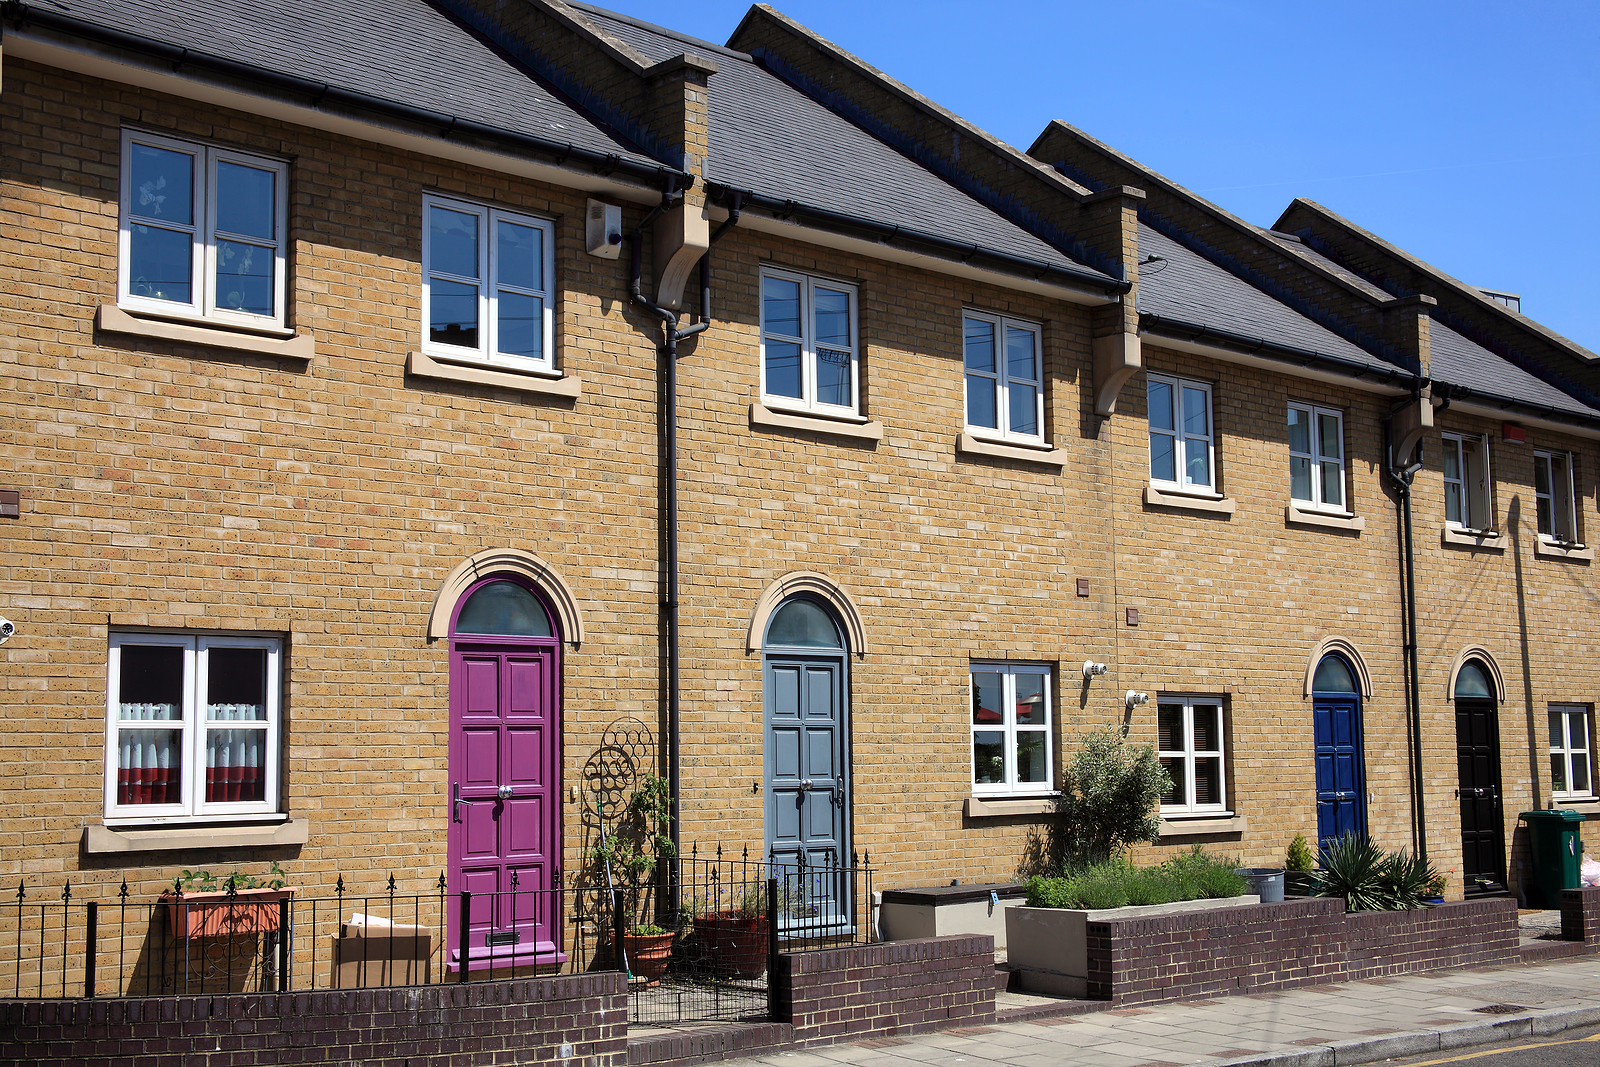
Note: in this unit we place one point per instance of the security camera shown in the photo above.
(7, 628)
(1091, 669)
(1134, 698)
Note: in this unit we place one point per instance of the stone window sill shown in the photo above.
(765, 418)
(1222, 822)
(1333, 520)
(991, 807)
(301, 347)
(1589, 807)
(1209, 503)
(1045, 455)
(99, 840)
(422, 365)
(1489, 540)
(1552, 550)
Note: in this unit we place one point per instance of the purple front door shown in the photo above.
(505, 797)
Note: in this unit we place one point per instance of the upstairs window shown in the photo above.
(808, 344)
(1570, 748)
(1004, 378)
(1190, 747)
(1316, 457)
(202, 232)
(1466, 481)
(487, 286)
(1553, 496)
(1181, 439)
(1010, 728)
(193, 727)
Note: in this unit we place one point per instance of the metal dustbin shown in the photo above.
(1265, 882)
(1557, 853)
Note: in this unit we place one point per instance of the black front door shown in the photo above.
(1483, 843)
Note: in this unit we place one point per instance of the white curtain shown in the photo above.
(233, 755)
(149, 762)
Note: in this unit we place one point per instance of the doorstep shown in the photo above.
(682, 1045)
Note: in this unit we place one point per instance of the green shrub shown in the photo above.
(1050, 892)
(1105, 886)
(1115, 884)
(1153, 885)
(1371, 880)
(1109, 793)
(1299, 857)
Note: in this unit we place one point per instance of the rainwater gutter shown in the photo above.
(1402, 479)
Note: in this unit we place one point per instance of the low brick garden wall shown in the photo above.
(519, 1020)
(1276, 946)
(895, 987)
(1580, 916)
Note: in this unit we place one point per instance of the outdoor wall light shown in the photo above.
(1091, 669)
(1135, 698)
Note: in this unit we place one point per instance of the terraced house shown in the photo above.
(430, 419)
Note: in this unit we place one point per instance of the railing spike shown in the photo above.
(21, 892)
(122, 894)
(391, 884)
(442, 883)
(338, 888)
(66, 893)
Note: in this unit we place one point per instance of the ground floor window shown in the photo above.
(193, 727)
(1191, 749)
(1010, 728)
(1570, 749)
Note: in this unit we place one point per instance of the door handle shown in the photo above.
(505, 792)
(805, 785)
(456, 801)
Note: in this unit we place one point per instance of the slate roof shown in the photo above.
(768, 137)
(1457, 360)
(394, 50)
(1191, 289)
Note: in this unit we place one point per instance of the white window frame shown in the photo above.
(1003, 378)
(192, 806)
(488, 284)
(807, 401)
(203, 235)
(1189, 754)
(1009, 727)
(1564, 749)
(1181, 440)
(1318, 460)
(1563, 513)
(1474, 484)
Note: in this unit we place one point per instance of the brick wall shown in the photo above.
(517, 1021)
(1459, 934)
(1229, 950)
(898, 987)
(1298, 942)
(1580, 915)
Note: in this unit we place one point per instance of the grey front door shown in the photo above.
(806, 697)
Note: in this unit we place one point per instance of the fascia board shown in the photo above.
(1226, 355)
(1487, 411)
(795, 231)
(93, 62)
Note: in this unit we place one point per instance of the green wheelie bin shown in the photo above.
(1557, 854)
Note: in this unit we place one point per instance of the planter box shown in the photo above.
(1050, 946)
(942, 911)
(249, 911)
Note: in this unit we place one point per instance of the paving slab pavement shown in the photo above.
(1316, 1026)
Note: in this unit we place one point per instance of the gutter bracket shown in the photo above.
(1117, 357)
(1410, 422)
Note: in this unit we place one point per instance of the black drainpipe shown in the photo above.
(1402, 479)
(668, 351)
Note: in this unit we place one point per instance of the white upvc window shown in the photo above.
(203, 232)
(1554, 497)
(809, 351)
(1316, 457)
(1571, 747)
(487, 286)
(1011, 750)
(1466, 481)
(1181, 439)
(1004, 377)
(192, 728)
(1190, 747)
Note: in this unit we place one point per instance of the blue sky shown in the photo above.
(1466, 133)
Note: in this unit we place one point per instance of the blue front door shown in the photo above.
(1341, 781)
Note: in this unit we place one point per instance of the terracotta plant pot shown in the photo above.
(735, 947)
(249, 911)
(648, 955)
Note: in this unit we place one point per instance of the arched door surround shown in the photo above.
(504, 824)
(806, 712)
(1337, 739)
(1477, 690)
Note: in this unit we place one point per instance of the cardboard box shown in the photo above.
(381, 956)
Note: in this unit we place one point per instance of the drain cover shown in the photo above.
(1500, 1009)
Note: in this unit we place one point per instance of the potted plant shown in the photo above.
(239, 905)
(1299, 865)
(735, 938)
(630, 854)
